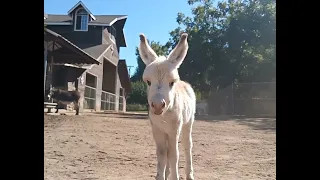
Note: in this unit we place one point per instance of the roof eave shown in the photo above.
(124, 39)
(92, 16)
(84, 7)
(129, 88)
(92, 59)
(123, 42)
(118, 19)
(120, 27)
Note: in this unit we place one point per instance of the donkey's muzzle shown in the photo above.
(158, 104)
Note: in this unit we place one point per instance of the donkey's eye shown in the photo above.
(171, 84)
(149, 83)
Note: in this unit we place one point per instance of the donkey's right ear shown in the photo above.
(146, 53)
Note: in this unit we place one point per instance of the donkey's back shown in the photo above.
(185, 100)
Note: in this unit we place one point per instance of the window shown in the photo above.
(81, 20)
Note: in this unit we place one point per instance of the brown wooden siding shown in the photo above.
(97, 70)
(83, 39)
(94, 36)
(109, 78)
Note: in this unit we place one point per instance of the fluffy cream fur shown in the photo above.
(178, 110)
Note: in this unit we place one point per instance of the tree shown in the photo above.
(158, 48)
(138, 94)
(226, 42)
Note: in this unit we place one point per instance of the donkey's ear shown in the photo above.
(178, 54)
(146, 53)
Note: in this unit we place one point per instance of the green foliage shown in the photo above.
(233, 41)
(227, 42)
(136, 107)
(198, 94)
(138, 94)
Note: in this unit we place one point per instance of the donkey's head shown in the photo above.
(52, 93)
(161, 73)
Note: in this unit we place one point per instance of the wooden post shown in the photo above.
(45, 64)
(116, 91)
(51, 68)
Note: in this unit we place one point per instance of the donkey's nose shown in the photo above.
(159, 105)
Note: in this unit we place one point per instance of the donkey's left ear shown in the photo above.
(146, 52)
(178, 54)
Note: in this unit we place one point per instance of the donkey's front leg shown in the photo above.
(173, 155)
(161, 150)
(77, 107)
(187, 143)
(167, 167)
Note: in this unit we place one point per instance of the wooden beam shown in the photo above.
(69, 48)
(51, 70)
(45, 65)
(58, 55)
(49, 38)
(79, 51)
(72, 56)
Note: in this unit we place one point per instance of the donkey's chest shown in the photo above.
(165, 124)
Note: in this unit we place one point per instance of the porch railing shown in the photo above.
(121, 103)
(108, 101)
(89, 97)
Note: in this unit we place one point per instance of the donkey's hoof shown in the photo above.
(190, 177)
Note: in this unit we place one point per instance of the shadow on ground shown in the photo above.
(267, 124)
(256, 123)
(134, 117)
(120, 115)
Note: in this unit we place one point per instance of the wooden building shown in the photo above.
(104, 80)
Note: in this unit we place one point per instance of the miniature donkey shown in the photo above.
(172, 105)
(65, 97)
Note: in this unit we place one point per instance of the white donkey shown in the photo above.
(172, 107)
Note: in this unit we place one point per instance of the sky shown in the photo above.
(154, 18)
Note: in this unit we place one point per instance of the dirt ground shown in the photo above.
(114, 147)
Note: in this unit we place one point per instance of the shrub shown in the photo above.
(138, 94)
(136, 107)
(198, 95)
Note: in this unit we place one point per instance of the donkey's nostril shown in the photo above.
(163, 103)
(152, 105)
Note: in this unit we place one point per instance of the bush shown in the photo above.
(138, 94)
(198, 95)
(136, 107)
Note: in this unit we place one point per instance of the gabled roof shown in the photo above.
(87, 58)
(124, 75)
(103, 20)
(80, 3)
(118, 21)
(97, 51)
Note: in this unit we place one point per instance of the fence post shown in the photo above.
(232, 97)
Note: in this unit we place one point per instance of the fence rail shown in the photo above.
(108, 101)
(121, 103)
(89, 97)
(254, 98)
